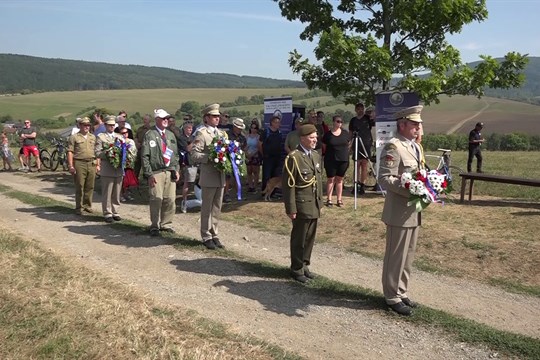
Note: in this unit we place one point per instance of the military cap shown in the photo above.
(211, 110)
(480, 124)
(411, 113)
(110, 120)
(84, 120)
(307, 129)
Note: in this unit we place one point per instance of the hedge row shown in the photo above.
(495, 142)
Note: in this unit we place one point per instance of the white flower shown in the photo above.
(240, 152)
(227, 141)
(216, 160)
(222, 150)
(237, 162)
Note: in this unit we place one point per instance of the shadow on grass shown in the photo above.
(523, 204)
(275, 294)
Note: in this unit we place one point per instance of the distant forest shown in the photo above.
(29, 74)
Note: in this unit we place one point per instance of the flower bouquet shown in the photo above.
(237, 157)
(226, 155)
(113, 153)
(119, 155)
(219, 154)
(425, 187)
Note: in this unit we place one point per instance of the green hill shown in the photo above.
(529, 92)
(27, 74)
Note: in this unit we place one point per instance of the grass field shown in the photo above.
(501, 116)
(55, 309)
(112, 321)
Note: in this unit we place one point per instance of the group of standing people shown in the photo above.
(160, 152)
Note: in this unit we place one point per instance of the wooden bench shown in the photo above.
(492, 178)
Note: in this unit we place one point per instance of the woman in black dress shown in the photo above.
(336, 159)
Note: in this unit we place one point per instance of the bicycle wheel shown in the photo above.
(54, 160)
(45, 157)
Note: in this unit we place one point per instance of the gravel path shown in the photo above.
(276, 310)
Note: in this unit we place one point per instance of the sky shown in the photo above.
(242, 37)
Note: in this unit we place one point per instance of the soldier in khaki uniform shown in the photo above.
(401, 154)
(111, 177)
(160, 166)
(212, 181)
(302, 193)
(82, 165)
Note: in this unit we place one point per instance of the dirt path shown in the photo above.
(276, 310)
(458, 126)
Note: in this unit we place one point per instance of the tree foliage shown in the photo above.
(367, 46)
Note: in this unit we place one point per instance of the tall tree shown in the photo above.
(367, 46)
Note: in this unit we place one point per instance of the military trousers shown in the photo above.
(111, 187)
(162, 201)
(397, 264)
(302, 239)
(212, 199)
(85, 177)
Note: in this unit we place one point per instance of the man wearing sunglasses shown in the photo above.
(28, 137)
(161, 169)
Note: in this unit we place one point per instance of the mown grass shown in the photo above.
(54, 309)
(51, 104)
(463, 329)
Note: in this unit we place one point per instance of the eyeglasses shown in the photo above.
(85, 124)
(186, 119)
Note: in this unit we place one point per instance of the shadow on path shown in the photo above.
(274, 294)
(122, 233)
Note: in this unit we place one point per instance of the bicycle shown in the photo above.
(445, 167)
(44, 156)
(59, 156)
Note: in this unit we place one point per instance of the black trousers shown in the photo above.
(472, 153)
(271, 167)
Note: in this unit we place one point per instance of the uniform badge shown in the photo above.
(389, 160)
(317, 165)
(152, 143)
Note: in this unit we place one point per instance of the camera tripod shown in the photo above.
(371, 180)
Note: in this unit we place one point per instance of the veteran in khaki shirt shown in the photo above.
(401, 154)
(212, 181)
(82, 165)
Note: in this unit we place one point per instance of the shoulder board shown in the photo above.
(390, 146)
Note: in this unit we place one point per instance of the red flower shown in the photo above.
(407, 185)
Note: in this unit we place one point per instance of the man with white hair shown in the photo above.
(161, 168)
